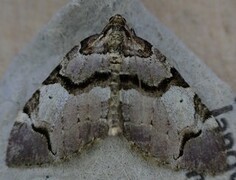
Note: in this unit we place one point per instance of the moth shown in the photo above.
(116, 83)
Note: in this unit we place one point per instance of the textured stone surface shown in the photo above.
(113, 157)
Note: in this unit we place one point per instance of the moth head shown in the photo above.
(116, 37)
(117, 20)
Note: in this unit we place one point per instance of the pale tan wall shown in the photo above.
(208, 28)
(20, 21)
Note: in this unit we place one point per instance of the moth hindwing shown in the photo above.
(116, 83)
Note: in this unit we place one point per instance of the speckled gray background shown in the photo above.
(112, 158)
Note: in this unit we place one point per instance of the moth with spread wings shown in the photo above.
(116, 83)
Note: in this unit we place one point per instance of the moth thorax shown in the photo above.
(115, 41)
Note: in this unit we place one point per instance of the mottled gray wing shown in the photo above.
(164, 118)
(65, 114)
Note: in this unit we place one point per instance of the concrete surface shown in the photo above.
(112, 158)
